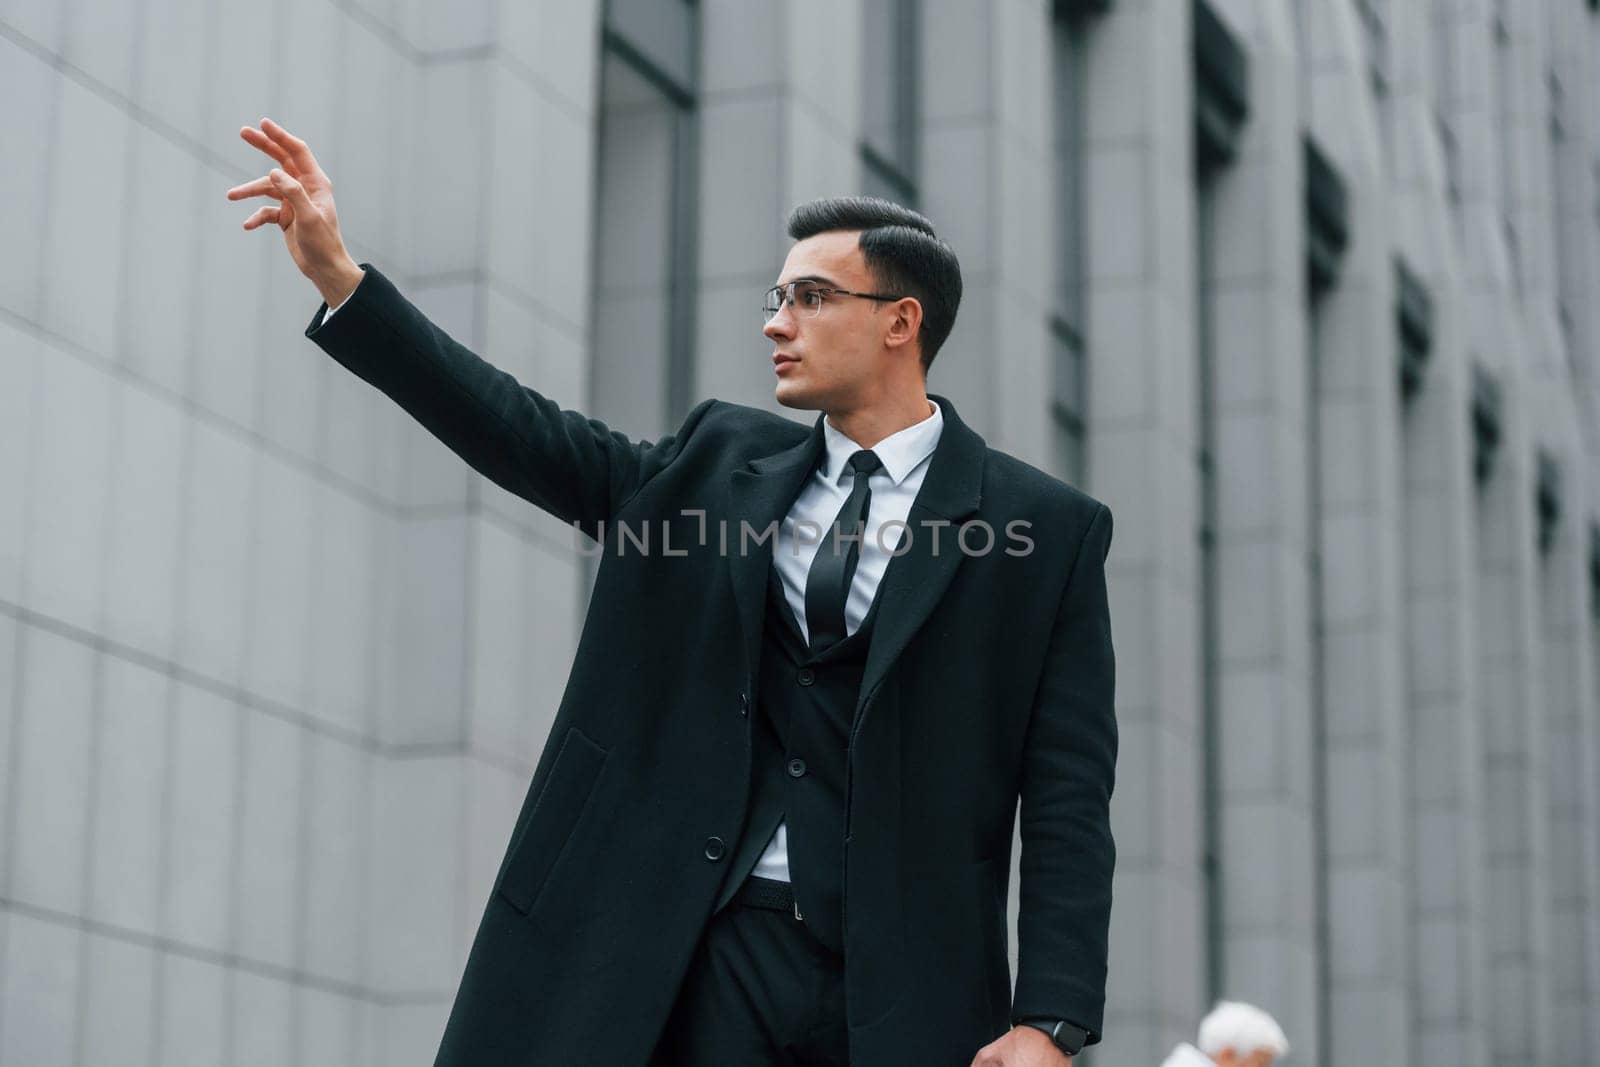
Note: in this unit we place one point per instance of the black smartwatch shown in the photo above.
(1068, 1038)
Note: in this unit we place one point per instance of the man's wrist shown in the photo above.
(338, 287)
(1041, 1034)
(1068, 1037)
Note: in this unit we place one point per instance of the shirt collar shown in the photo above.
(899, 453)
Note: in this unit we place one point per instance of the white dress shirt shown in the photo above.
(905, 455)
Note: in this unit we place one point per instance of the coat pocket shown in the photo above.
(545, 834)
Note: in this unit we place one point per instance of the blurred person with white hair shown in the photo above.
(1234, 1034)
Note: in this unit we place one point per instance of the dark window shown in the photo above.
(1068, 400)
(889, 118)
(642, 325)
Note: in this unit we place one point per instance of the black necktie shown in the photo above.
(828, 582)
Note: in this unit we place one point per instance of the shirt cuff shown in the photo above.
(326, 315)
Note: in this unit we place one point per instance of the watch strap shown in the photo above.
(1066, 1037)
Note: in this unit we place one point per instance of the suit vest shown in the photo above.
(800, 727)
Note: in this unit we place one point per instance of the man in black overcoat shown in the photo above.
(773, 819)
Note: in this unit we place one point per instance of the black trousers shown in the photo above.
(760, 990)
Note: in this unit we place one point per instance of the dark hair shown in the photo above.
(901, 250)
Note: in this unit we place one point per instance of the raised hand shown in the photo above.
(304, 210)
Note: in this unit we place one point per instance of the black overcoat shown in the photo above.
(989, 677)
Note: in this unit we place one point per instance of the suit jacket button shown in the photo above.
(797, 767)
(806, 676)
(744, 703)
(715, 849)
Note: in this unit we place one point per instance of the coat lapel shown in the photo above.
(760, 493)
(915, 580)
(763, 490)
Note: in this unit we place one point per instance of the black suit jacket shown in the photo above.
(990, 676)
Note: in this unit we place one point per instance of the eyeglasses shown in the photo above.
(807, 298)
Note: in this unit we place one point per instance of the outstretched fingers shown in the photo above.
(259, 187)
(264, 215)
(298, 151)
(280, 186)
(256, 139)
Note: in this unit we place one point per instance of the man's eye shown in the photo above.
(811, 298)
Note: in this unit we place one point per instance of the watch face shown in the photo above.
(1070, 1039)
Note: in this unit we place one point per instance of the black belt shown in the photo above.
(758, 892)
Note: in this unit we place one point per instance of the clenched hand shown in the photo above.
(304, 210)
(1022, 1046)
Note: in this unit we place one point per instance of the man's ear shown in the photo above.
(907, 322)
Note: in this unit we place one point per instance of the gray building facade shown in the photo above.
(1303, 289)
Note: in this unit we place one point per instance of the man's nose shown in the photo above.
(781, 324)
